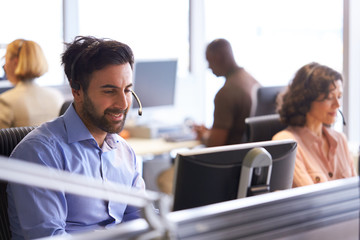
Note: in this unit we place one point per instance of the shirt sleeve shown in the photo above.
(41, 212)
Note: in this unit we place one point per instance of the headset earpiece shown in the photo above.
(138, 101)
(75, 85)
(342, 116)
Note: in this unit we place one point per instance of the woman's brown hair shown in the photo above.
(310, 82)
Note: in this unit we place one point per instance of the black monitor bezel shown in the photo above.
(213, 156)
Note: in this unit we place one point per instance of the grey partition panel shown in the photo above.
(274, 215)
(329, 210)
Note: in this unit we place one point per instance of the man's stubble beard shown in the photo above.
(101, 122)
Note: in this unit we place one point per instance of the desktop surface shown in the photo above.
(157, 146)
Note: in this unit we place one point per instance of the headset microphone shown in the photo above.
(342, 115)
(138, 101)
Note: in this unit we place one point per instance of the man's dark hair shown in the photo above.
(88, 54)
(310, 82)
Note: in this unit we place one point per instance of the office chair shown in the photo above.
(266, 100)
(263, 128)
(64, 107)
(9, 138)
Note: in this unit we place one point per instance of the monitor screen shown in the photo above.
(2, 61)
(154, 82)
(211, 175)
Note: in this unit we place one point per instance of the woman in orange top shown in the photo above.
(309, 107)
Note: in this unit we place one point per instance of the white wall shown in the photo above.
(352, 69)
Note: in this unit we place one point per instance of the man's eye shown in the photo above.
(109, 91)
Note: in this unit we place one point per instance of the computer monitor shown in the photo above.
(155, 82)
(4, 89)
(211, 175)
(2, 61)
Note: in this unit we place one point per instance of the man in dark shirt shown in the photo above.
(233, 102)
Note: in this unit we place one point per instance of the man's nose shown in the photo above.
(122, 101)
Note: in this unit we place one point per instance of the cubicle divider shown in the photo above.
(321, 211)
(299, 213)
(328, 210)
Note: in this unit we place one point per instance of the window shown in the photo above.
(273, 39)
(37, 20)
(156, 29)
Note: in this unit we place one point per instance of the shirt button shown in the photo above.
(330, 174)
(317, 179)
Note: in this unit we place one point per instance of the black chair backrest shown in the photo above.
(9, 138)
(64, 107)
(266, 100)
(263, 128)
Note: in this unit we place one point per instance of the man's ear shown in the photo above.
(77, 94)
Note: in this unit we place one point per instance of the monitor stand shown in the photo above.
(255, 161)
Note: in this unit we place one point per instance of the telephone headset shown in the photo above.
(76, 85)
(307, 83)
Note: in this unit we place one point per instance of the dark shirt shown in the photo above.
(233, 104)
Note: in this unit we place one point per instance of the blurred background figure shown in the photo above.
(309, 107)
(233, 102)
(27, 104)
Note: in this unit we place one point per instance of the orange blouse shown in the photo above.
(312, 166)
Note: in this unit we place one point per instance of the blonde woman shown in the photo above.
(27, 104)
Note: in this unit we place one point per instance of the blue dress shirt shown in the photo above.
(67, 144)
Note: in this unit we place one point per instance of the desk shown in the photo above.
(157, 146)
(148, 151)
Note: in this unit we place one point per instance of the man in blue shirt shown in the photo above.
(84, 140)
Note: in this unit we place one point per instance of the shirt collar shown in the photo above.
(332, 140)
(26, 83)
(77, 131)
(111, 141)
